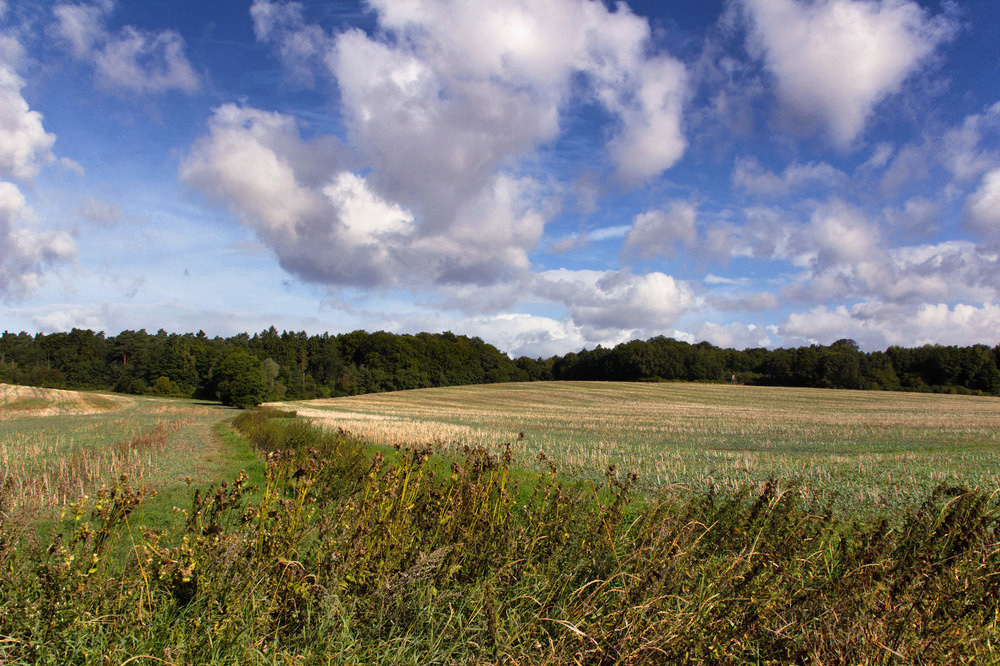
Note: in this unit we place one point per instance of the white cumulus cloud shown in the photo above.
(735, 335)
(982, 208)
(834, 61)
(750, 176)
(25, 146)
(877, 325)
(327, 224)
(458, 90)
(301, 46)
(604, 303)
(445, 105)
(25, 251)
(659, 232)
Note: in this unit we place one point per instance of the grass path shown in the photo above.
(58, 446)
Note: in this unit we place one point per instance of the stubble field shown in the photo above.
(875, 450)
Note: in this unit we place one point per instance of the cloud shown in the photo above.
(101, 213)
(301, 46)
(444, 105)
(257, 163)
(843, 253)
(67, 319)
(982, 208)
(856, 269)
(842, 234)
(129, 61)
(732, 87)
(750, 176)
(962, 148)
(578, 240)
(26, 252)
(521, 334)
(170, 314)
(877, 325)
(765, 233)
(911, 164)
(659, 232)
(652, 139)
(453, 91)
(835, 61)
(327, 224)
(434, 143)
(81, 27)
(845, 257)
(917, 217)
(604, 303)
(25, 146)
(599, 308)
(966, 150)
(755, 302)
(735, 335)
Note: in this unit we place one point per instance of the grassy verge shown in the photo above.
(233, 455)
(343, 557)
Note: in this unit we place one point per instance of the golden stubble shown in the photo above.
(871, 446)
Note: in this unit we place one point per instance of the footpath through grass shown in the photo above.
(343, 557)
(59, 447)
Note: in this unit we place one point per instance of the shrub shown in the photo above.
(240, 380)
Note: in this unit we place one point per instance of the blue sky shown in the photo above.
(546, 175)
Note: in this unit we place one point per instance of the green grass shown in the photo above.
(70, 444)
(876, 450)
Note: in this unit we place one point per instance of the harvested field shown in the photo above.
(20, 401)
(851, 447)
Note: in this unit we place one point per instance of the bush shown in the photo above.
(240, 380)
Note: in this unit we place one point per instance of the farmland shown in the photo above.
(856, 448)
(345, 551)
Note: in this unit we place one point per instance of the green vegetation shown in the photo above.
(295, 366)
(342, 558)
(812, 526)
(240, 380)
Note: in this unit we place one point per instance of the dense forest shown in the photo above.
(291, 365)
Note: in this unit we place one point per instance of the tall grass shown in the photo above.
(345, 557)
(44, 475)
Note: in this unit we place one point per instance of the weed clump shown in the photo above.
(344, 556)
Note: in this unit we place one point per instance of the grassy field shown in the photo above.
(59, 446)
(855, 448)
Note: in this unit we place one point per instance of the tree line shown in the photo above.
(930, 368)
(287, 365)
(284, 366)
